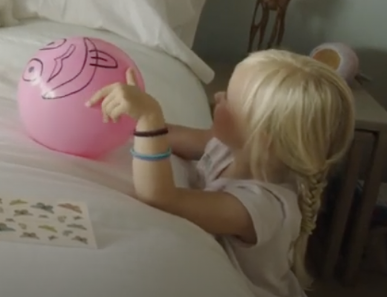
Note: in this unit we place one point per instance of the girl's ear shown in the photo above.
(220, 96)
(266, 139)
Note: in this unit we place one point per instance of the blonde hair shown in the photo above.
(303, 113)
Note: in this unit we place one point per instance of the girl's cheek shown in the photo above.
(225, 128)
(221, 116)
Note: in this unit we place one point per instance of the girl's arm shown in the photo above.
(216, 212)
(188, 143)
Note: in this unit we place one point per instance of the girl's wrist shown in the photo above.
(152, 120)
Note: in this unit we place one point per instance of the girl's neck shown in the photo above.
(237, 170)
(240, 168)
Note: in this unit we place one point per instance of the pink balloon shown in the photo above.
(55, 86)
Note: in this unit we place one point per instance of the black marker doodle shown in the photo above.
(62, 86)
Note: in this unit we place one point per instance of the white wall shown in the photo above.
(223, 31)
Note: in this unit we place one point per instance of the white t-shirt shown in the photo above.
(276, 216)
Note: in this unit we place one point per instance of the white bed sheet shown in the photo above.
(142, 251)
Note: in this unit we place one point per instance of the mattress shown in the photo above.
(141, 250)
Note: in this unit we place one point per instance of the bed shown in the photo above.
(141, 251)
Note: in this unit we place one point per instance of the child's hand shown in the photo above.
(119, 99)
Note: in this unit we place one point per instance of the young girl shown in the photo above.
(283, 122)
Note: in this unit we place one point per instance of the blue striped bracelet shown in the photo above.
(156, 157)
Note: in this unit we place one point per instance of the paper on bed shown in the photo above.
(64, 223)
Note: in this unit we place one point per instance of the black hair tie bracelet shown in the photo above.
(153, 133)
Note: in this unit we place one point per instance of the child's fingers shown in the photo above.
(110, 109)
(105, 106)
(131, 77)
(105, 118)
(116, 113)
(99, 95)
(107, 101)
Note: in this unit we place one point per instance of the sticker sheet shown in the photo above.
(65, 223)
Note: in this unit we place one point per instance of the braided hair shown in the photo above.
(299, 112)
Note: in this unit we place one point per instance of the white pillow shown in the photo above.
(6, 13)
(142, 21)
(187, 30)
(177, 13)
(182, 15)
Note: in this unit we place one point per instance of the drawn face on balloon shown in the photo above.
(55, 86)
(56, 81)
(69, 68)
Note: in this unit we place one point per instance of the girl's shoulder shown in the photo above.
(278, 201)
(214, 144)
(280, 191)
(284, 194)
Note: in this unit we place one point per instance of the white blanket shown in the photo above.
(142, 252)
